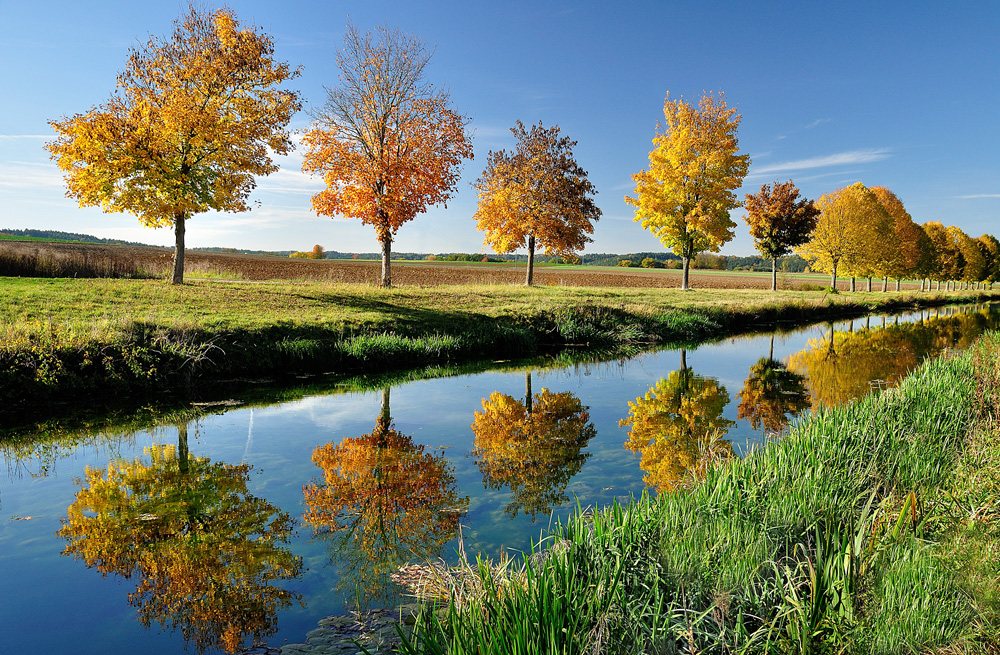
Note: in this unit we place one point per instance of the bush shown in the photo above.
(705, 260)
(649, 262)
(626, 263)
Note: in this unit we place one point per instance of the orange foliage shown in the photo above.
(386, 501)
(387, 144)
(189, 129)
(770, 394)
(533, 447)
(779, 221)
(538, 192)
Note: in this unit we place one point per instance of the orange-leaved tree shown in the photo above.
(195, 118)
(911, 243)
(686, 195)
(385, 502)
(779, 221)
(538, 192)
(386, 142)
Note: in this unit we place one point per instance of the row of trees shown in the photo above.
(198, 115)
(868, 233)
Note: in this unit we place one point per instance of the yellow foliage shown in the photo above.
(203, 550)
(533, 447)
(192, 124)
(678, 428)
(685, 197)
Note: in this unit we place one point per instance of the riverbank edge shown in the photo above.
(904, 558)
(144, 358)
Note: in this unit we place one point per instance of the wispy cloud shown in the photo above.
(12, 137)
(817, 122)
(979, 195)
(848, 158)
(29, 175)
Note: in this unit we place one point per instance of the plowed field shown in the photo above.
(258, 267)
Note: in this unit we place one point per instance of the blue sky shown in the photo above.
(897, 94)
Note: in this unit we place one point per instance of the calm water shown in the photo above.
(283, 514)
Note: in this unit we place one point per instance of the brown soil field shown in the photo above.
(159, 261)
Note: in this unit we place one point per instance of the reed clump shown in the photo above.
(871, 528)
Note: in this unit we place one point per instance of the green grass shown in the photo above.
(63, 336)
(871, 528)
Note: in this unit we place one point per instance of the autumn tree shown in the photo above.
(849, 220)
(685, 197)
(536, 193)
(949, 261)
(203, 551)
(534, 446)
(386, 142)
(779, 221)
(194, 120)
(909, 247)
(384, 502)
(990, 249)
(678, 427)
(973, 262)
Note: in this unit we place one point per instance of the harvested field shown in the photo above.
(158, 262)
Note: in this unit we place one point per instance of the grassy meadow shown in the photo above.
(77, 336)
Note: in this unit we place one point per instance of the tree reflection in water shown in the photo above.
(384, 502)
(533, 447)
(842, 366)
(772, 395)
(204, 550)
(678, 427)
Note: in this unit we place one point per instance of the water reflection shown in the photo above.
(383, 502)
(772, 395)
(678, 427)
(842, 365)
(204, 551)
(533, 447)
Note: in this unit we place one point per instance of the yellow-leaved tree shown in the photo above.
(203, 552)
(538, 192)
(679, 428)
(534, 447)
(849, 223)
(686, 195)
(195, 118)
(386, 142)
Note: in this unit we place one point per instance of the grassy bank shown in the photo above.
(64, 337)
(871, 528)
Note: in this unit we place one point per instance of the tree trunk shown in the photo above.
(684, 363)
(833, 278)
(854, 284)
(385, 417)
(179, 226)
(531, 260)
(386, 263)
(182, 448)
(774, 274)
(527, 392)
(685, 265)
(885, 284)
(869, 284)
(897, 284)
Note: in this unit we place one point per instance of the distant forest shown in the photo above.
(793, 264)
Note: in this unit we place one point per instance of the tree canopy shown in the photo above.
(386, 142)
(194, 119)
(539, 193)
(685, 197)
(779, 221)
